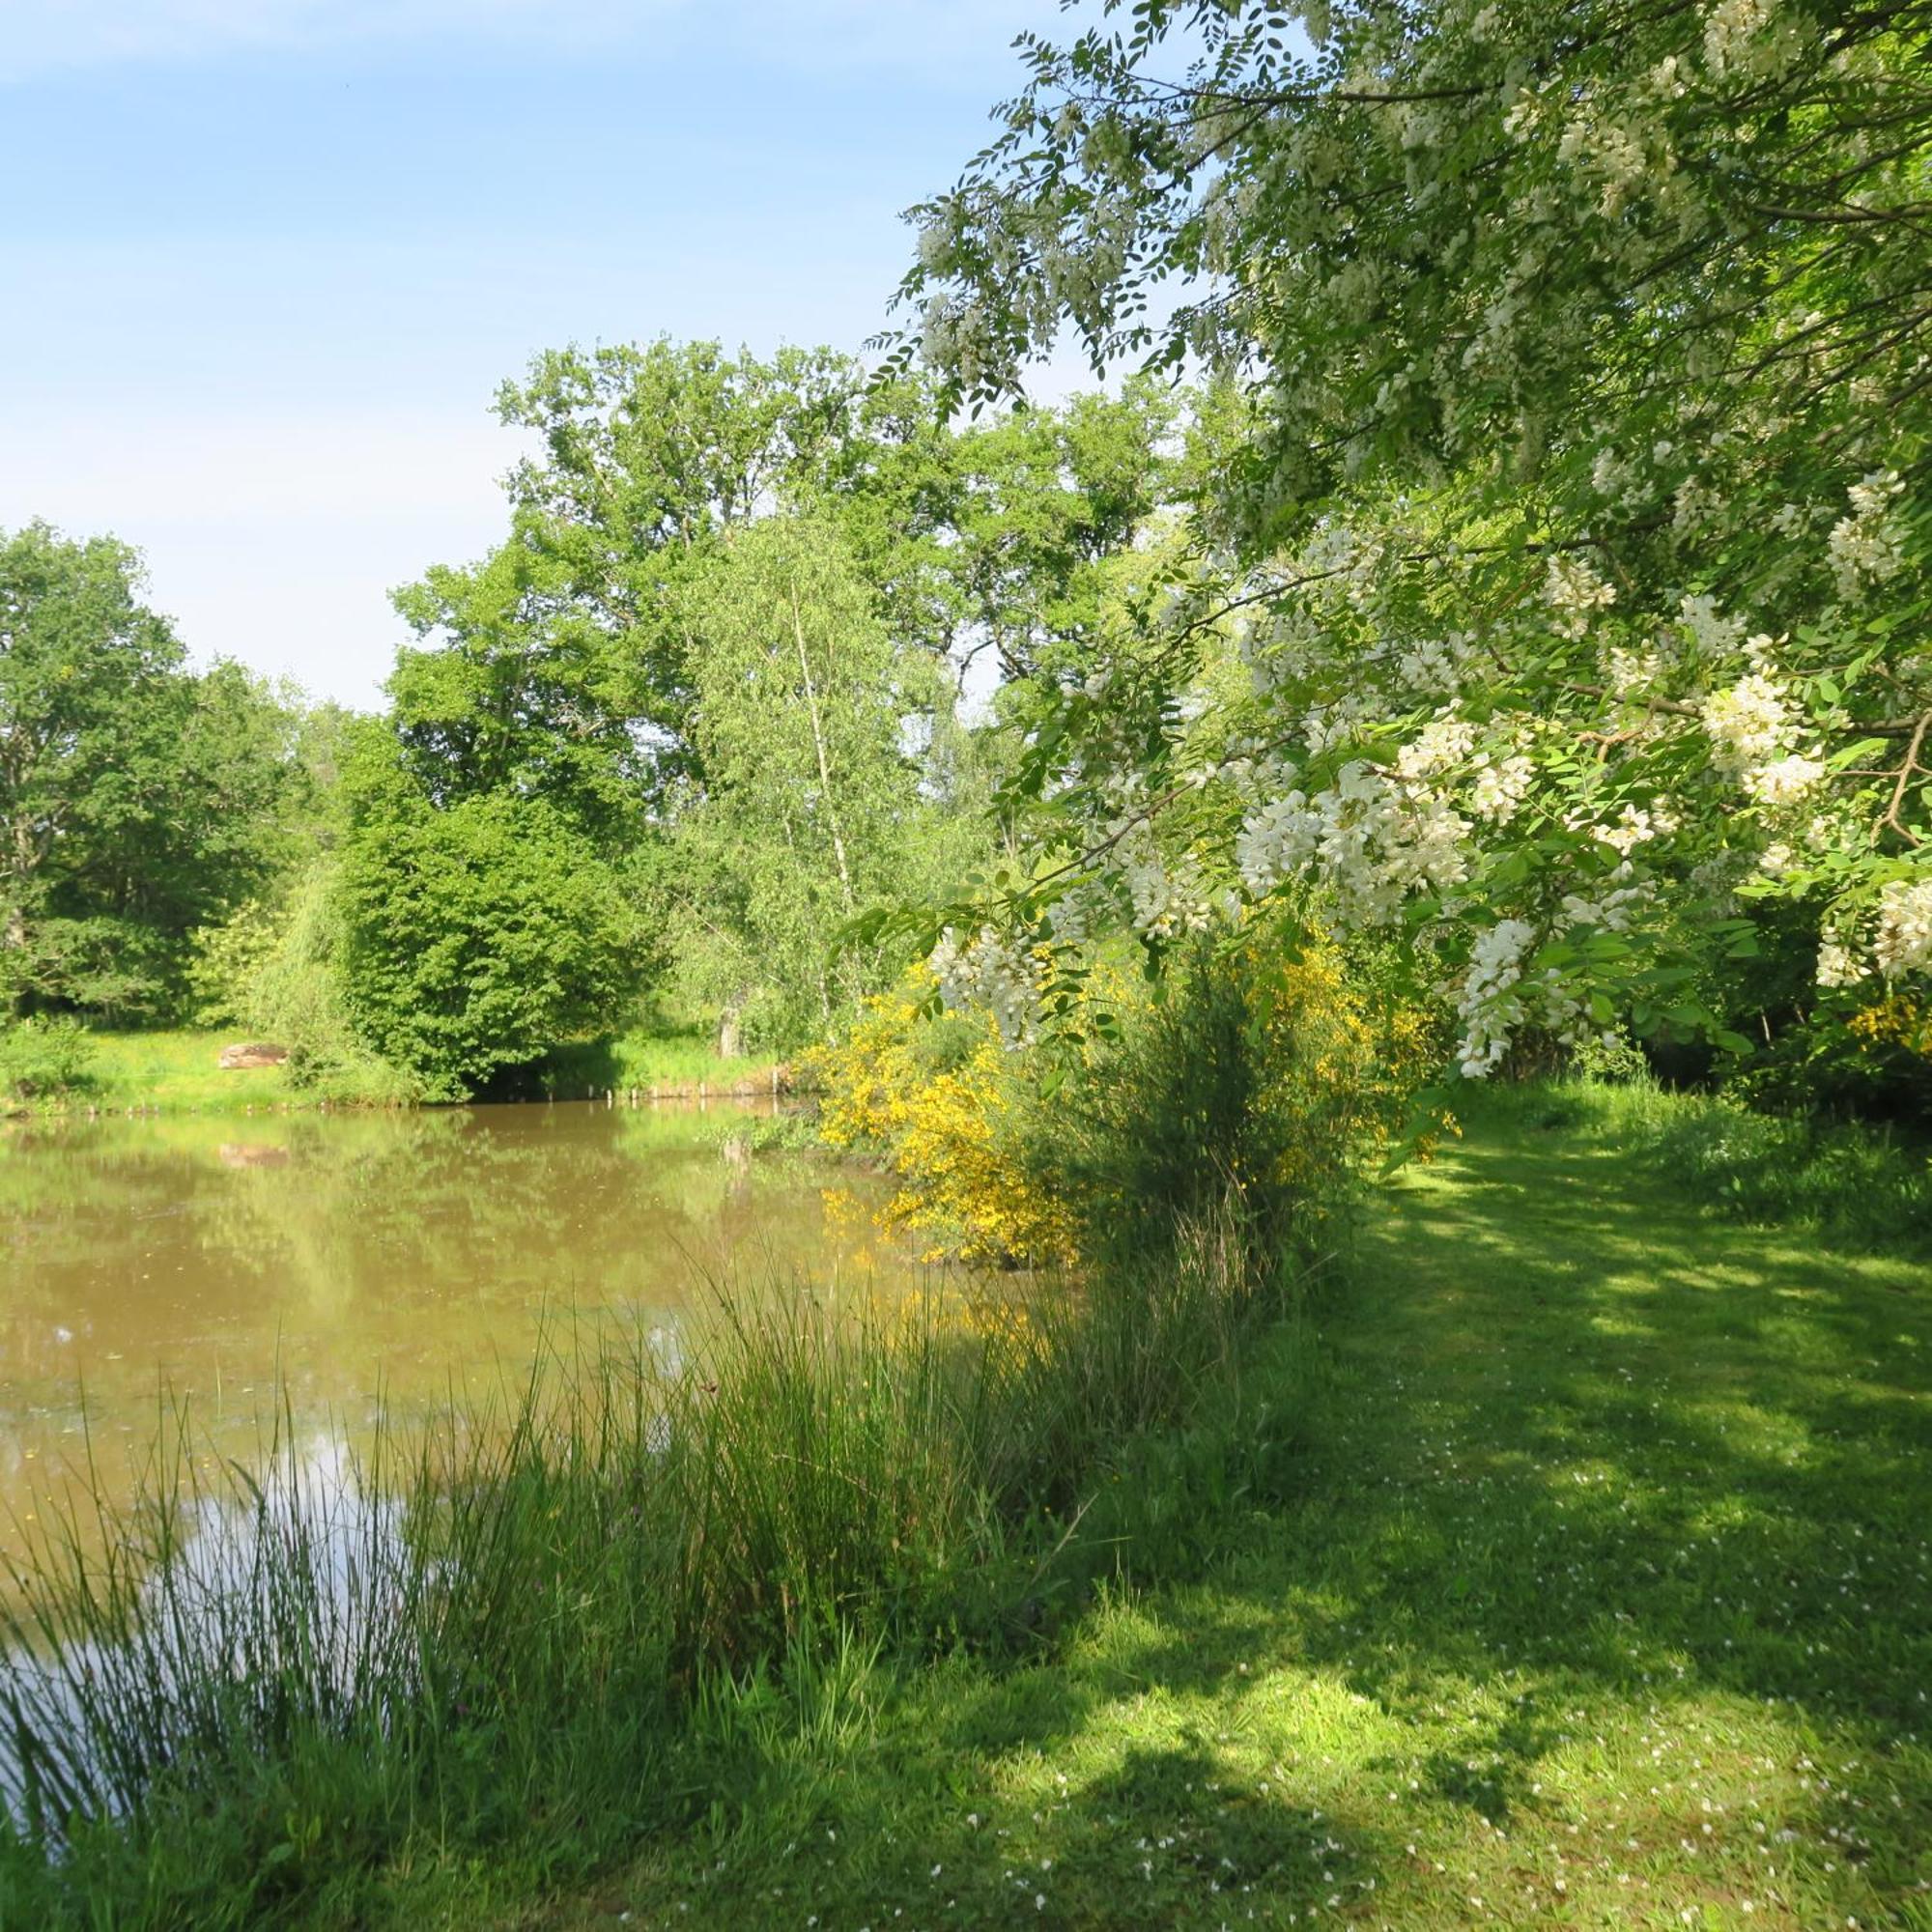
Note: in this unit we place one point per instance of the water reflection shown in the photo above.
(212, 1632)
(351, 1260)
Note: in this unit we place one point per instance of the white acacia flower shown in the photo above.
(1442, 743)
(1903, 940)
(1838, 965)
(1785, 781)
(1501, 788)
(1575, 593)
(986, 971)
(1488, 1003)
(1746, 723)
(1635, 826)
(1864, 546)
(1712, 631)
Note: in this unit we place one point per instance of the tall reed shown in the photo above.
(498, 1623)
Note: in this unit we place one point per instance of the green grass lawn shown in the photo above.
(1605, 1600)
(177, 1071)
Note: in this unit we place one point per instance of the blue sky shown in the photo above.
(263, 263)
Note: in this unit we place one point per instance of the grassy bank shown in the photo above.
(497, 1660)
(1863, 1187)
(179, 1072)
(670, 1065)
(1603, 1597)
(1582, 1575)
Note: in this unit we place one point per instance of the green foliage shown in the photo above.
(807, 720)
(566, 666)
(44, 1058)
(137, 801)
(1560, 496)
(477, 933)
(278, 969)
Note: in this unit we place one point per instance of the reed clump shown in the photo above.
(504, 1623)
(524, 1631)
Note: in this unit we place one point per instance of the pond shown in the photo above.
(340, 1262)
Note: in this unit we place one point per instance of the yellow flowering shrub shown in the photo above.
(1272, 1067)
(1896, 1020)
(942, 1124)
(1340, 1063)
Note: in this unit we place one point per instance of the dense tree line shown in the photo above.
(695, 713)
(139, 801)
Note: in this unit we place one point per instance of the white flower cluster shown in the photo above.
(1612, 155)
(1616, 479)
(1373, 841)
(1167, 900)
(1838, 964)
(1443, 743)
(1709, 628)
(1327, 726)
(1747, 723)
(1636, 825)
(1436, 667)
(1627, 671)
(1694, 504)
(1489, 1004)
(1751, 725)
(1903, 941)
(1070, 918)
(1785, 781)
(1613, 911)
(986, 971)
(1575, 593)
(1863, 545)
(1500, 788)
(1749, 39)
(1495, 998)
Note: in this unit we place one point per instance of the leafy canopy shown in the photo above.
(138, 801)
(1566, 530)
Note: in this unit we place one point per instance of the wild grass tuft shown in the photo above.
(497, 1627)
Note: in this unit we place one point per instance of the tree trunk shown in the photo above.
(818, 744)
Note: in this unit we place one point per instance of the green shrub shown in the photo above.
(278, 969)
(478, 934)
(41, 1059)
(1255, 1087)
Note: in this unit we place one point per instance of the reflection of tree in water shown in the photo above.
(333, 1257)
(330, 1217)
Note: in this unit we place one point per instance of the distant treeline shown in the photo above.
(700, 708)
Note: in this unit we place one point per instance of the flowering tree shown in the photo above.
(1567, 523)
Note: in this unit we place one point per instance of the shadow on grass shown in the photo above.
(1594, 1472)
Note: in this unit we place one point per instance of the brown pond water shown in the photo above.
(350, 1257)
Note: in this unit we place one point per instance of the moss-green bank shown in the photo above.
(1582, 1576)
(180, 1071)
(1603, 1599)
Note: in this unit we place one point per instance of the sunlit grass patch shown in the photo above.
(176, 1071)
(1558, 1627)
